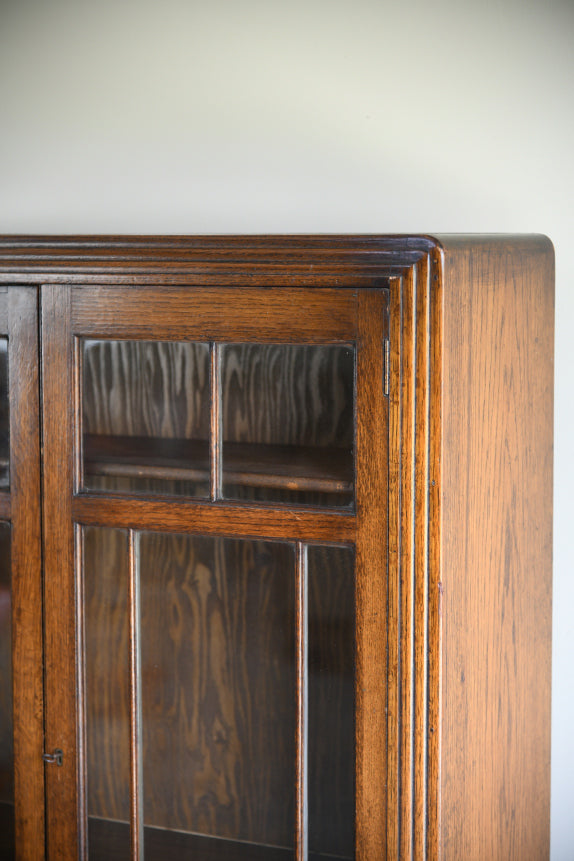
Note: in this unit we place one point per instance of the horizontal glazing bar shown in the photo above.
(246, 521)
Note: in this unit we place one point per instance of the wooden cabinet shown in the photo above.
(275, 547)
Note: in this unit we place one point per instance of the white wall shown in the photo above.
(309, 116)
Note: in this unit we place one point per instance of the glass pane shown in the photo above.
(288, 433)
(331, 607)
(7, 850)
(218, 697)
(4, 417)
(146, 417)
(106, 633)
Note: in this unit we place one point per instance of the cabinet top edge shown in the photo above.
(126, 255)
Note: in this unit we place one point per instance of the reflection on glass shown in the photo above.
(106, 634)
(331, 653)
(7, 850)
(288, 423)
(146, 417)
(4, 417)
(218, 698)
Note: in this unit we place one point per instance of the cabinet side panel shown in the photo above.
(496, 548)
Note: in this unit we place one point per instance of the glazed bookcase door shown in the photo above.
(21, 719)
(215, 525)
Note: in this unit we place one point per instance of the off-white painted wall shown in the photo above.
(309, 116)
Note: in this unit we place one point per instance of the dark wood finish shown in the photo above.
(63, 792)
(371, 588)
(5, 505)
(347, 261)
(291, 315)
(497, 412)
(251, 521)
(26, 571)
(452, 522)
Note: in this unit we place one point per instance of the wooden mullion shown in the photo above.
(302, 728)
(215, 441)
(136, 770)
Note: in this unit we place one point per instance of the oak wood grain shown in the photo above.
(496, 548)
(371, 587)
(452, 637)
(216, 314)
(341, 261)
(26, 572)
(63, 789)
(288, 523)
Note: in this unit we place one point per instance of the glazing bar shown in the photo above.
(136, 769)
(301, 774)
(215, 433)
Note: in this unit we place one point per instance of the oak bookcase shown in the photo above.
(275, 547)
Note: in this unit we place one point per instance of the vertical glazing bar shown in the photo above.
(81, 686)
(136, 787)
(215, 435)
(301, 774)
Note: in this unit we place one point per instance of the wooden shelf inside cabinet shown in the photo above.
(278, 466)
(111, 840)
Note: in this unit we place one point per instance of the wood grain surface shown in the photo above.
(290, 315)
(288, 523)
(451, 524)
(413, 646)
(371, 586)
(64, 789)
(279, 261)
(496, 548)
(26, 563)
